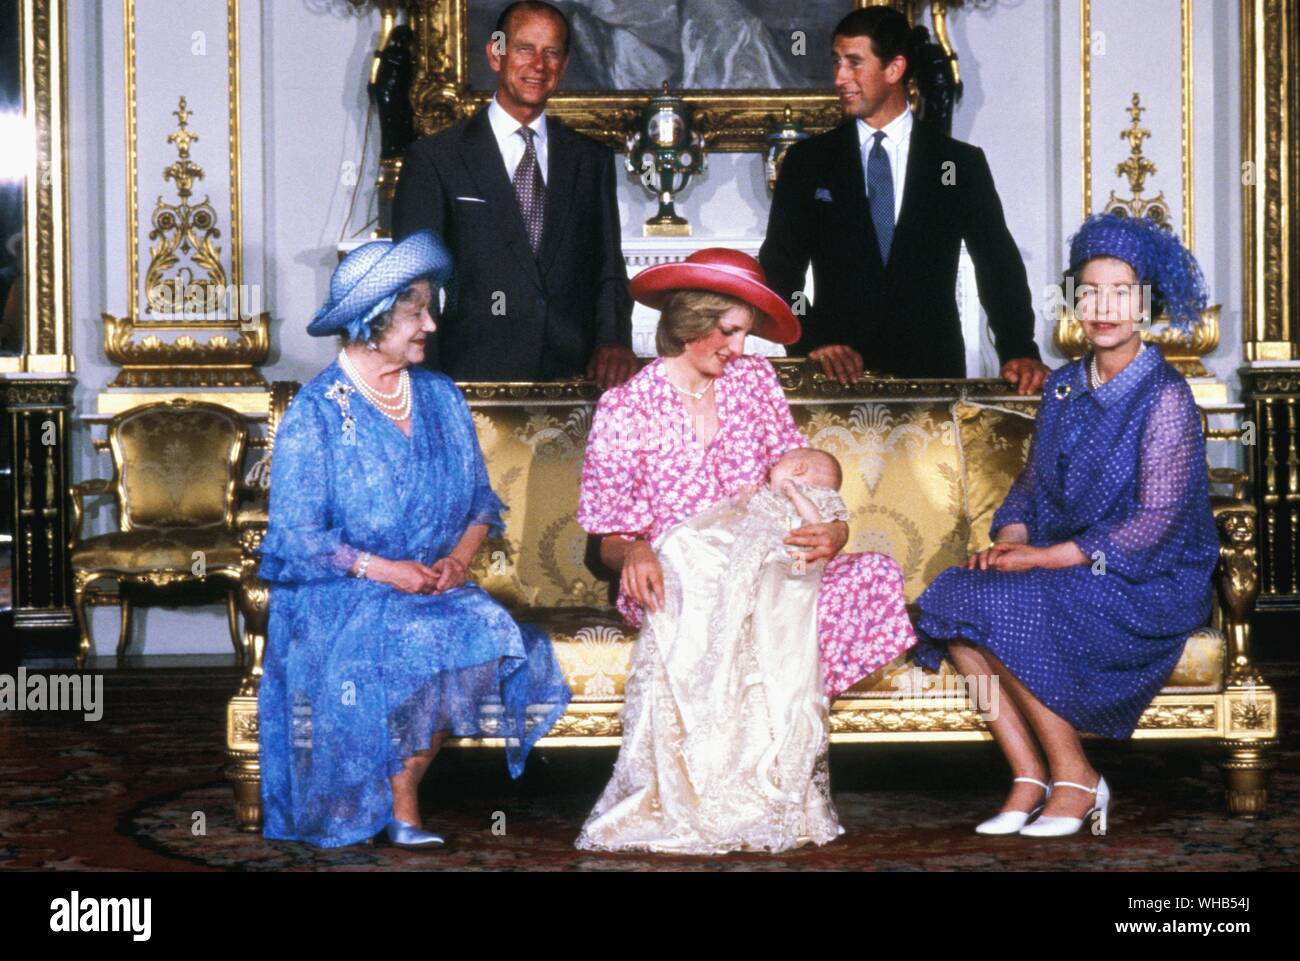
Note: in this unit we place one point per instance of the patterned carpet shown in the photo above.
(141, 789)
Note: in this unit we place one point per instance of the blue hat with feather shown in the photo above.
(1157, 257)
(369, 280)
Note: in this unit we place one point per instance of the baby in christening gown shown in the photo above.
(725, 721)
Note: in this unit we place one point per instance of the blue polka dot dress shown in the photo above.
(1120, 471)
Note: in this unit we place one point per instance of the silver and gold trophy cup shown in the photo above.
(664, 152)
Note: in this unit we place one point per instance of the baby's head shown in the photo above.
(809, 465)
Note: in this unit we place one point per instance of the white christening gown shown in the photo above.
(725, 721)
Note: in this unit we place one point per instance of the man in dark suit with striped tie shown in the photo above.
(528, 209)
(880, 206)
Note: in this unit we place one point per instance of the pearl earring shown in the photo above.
(371, 345)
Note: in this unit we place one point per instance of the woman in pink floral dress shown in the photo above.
(696, 426)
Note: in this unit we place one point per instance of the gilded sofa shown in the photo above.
(926, 464)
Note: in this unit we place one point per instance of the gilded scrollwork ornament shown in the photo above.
(184, 230)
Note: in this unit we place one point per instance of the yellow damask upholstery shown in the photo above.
(995, 445)
(902, 479)
(174, 465)
(534, 457)
(1199, 671)
(592, 645)
(176, 482)
(148, 549)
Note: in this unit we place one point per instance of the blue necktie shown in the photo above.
(880, 195)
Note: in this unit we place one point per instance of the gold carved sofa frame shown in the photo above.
(926, 464)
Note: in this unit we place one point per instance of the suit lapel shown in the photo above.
(561, 176)
(918, 181)
(482, 158)
(852, 189)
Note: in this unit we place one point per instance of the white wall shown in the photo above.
(304, 64)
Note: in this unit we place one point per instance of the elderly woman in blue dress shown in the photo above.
(378, 648)
(1104, 547)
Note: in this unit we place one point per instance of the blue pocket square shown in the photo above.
(822, 194)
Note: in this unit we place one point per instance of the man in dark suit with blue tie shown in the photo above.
(880, 206)
(528, 209)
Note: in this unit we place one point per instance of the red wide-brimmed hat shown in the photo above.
(721, 271)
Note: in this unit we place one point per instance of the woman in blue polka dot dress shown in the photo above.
(1104, 547)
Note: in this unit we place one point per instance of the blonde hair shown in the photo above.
(690, 314)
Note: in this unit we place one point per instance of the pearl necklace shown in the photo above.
(395, 406)
(1096, 375)
(697, 395)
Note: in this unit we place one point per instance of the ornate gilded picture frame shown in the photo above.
(738, 119)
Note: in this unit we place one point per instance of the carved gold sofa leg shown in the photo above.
(1246, 771)
(243, 771)
(243, 767)
(1250, 705)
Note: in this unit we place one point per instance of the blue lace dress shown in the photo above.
(358, 675)
(1121, 471)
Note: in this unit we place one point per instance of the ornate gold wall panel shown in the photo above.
(1270, 170)
(1187, 120)
(194, 327)
(1146, 184)
(234, 218)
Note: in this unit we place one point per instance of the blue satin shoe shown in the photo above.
(403, 835)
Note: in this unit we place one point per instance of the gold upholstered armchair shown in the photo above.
(176, 481)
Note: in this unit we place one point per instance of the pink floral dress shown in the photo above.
(645, 471)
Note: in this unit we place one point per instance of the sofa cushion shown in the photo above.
(902, 479)
(592, 644)
(993, 445)
(594, 648)
(148, 549)
(534, 457)
(1201, 668)
(1199, 671)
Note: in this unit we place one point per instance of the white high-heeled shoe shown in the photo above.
(1053, 826)
(1010, 822)
(403, 835)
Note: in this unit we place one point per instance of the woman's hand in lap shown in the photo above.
(819, 541)
(1016, 557)
(411, 577)
(983, 560)
(643, 578)
(450, 574)
(1008, 537)
(1006, 556)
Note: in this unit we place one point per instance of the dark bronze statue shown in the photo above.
(391, 92)
(938, 82)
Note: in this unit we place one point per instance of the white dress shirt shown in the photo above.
(897, 140)
(505, 128)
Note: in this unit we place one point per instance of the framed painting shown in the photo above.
(737, 63)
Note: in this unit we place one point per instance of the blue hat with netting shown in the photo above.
(1157, 257)
(369, 280)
